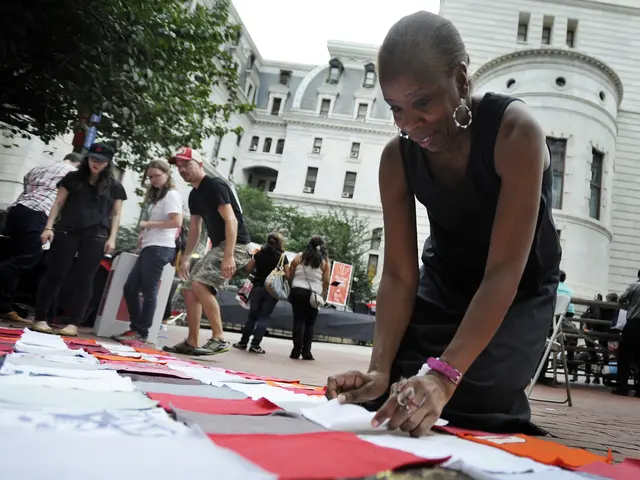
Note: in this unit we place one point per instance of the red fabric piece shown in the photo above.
(147, 369)
(251, 376)
(627, 470)
(215, 406)
(11, 332)
(6, 348)
(318, 455)
(93, 350)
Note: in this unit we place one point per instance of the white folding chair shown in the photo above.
(562, 303)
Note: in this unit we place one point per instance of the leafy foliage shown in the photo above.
(148, 67)
(347, 235)
(127, 240)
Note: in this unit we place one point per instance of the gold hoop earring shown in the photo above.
(463, 104)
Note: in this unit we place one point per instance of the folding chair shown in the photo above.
(562, 303)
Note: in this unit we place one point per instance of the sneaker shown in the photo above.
(14, 317)
(185, 348)
(129, 336)
(256, 349)
(215, 346)
(240, 346)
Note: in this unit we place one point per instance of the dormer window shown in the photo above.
(335, 70)
(369, 76)
(285, 77)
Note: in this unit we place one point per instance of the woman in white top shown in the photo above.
(309, 277)
(157, 248)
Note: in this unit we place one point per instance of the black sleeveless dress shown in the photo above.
(491, 396)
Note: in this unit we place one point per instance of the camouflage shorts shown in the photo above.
(208, 269)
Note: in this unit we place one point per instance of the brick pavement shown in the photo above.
(597, 421)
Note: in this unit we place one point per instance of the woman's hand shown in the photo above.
(415, 404)
(356, 387)
(47, 235)
(109, 245)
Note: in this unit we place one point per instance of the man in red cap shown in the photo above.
(213, 201)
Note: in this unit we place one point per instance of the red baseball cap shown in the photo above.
(185, 154)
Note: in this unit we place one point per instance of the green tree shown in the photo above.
(148, 67)
(347, 235)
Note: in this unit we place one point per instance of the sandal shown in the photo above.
(256, 349)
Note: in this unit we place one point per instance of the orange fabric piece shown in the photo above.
(80, 341)
(150, 351)
(542, 451)
(298, 388)
(118, 358)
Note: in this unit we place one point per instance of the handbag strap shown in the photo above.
(280, 265)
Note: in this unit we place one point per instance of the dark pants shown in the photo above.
(260, 309)
(628, 353)
(74, 257)
(24, 248)
(144, 280)
(491, 396)
(304, 319)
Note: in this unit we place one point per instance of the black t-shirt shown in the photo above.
(85, 208)
(204, 202)
(266, 260)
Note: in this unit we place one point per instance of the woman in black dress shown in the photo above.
(479, 308)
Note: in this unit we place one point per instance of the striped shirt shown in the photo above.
(41, 186)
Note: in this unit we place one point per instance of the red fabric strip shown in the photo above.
(627, 470)
(215, 406)
(318, 455)
(11, 332)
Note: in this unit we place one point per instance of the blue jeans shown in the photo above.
(145, 279)
(260, 309)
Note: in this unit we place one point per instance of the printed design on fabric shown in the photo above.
(138, 423)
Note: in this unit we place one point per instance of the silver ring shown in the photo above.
(405, 404)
